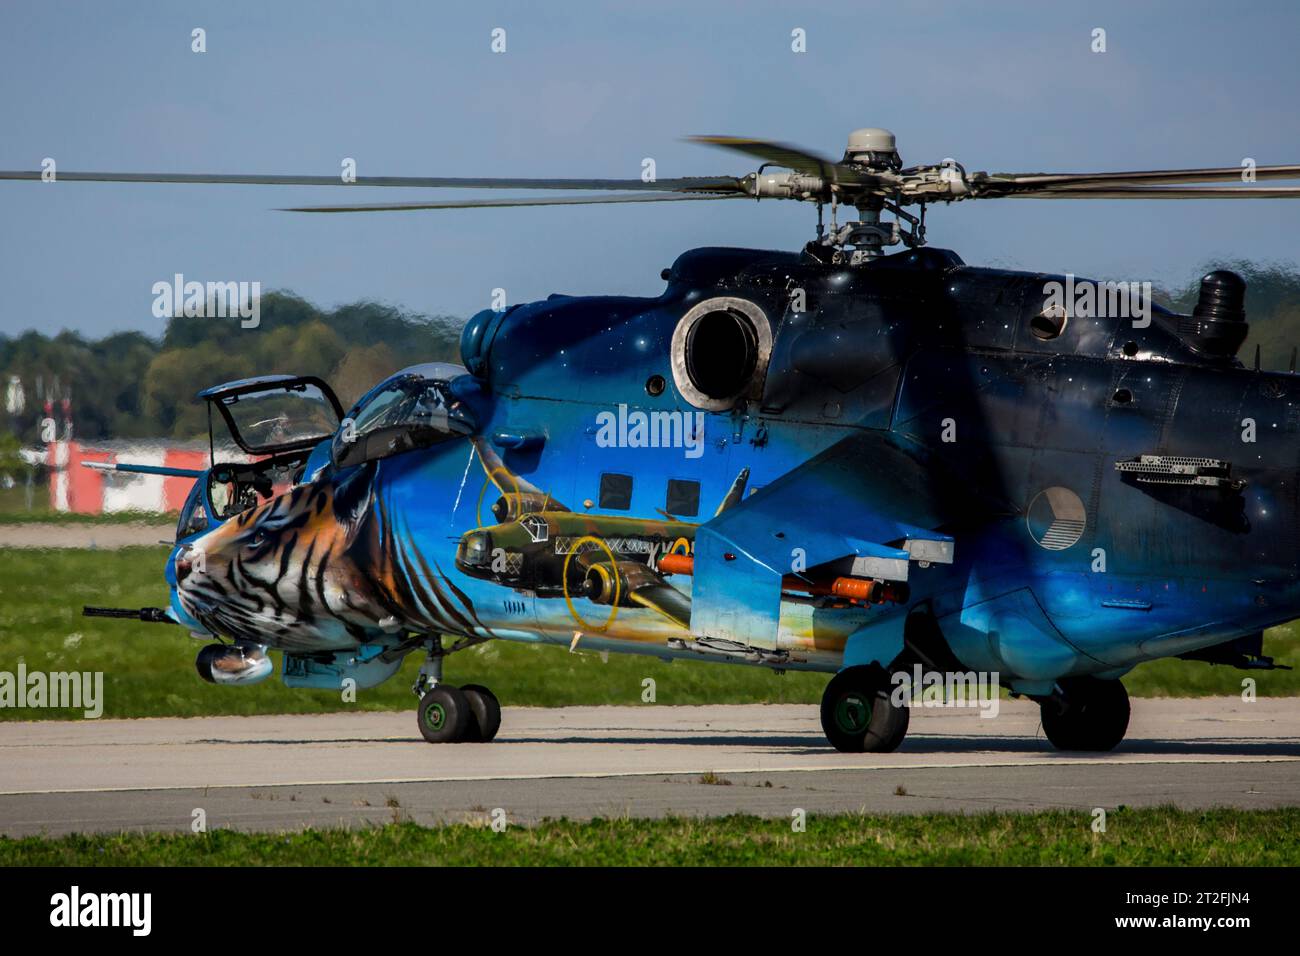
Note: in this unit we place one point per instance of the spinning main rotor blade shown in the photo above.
(1159, 192)
(718, 184)
(790, 157)
(1143, 178)
(864, 180)
(505, 203)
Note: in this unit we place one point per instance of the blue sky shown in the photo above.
(589, 89)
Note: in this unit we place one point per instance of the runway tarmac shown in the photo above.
(287, 772)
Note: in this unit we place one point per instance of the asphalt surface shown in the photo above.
(287, 772)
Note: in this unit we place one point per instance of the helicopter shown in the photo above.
(918, 464)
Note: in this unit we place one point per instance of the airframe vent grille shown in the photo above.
(1180, 470)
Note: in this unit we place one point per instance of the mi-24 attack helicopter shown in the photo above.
(836, 460)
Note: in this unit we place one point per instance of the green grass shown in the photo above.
(1160, 836)
(167, 521)
(14, 510)
(13, 502)
(1174, 678)
(148, 668)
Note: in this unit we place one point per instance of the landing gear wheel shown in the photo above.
(444, 715)
(485, 713)
(1094, 717)
(858, 715)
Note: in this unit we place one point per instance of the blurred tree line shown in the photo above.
(129, 385)
(1272, 308)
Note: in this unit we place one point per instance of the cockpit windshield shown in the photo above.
(194, 515)
(410, 410)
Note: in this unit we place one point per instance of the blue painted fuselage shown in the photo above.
(1063, 565)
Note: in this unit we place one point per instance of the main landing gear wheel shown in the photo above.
(485, 711)
(444, 714)
(1090, 714)
(858, 715)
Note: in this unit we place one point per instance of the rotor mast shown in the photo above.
(874, 150)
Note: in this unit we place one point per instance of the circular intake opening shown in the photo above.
(720, 351)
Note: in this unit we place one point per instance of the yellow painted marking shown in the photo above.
(564, 578)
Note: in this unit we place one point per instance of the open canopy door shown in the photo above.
(271, 414)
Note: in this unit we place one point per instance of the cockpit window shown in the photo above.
(231, 488)
(406, 412)
(194, 516)
(232, 491)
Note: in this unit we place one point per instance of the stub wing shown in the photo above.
(873, 498)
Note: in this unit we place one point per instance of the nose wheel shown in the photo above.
(444, 715)
(453, 715)
(485, 713)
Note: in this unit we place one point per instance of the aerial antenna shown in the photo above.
(1256, 356)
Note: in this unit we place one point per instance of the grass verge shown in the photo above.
(1159, 836)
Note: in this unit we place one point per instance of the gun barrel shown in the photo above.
(151, 615)
(143, 469)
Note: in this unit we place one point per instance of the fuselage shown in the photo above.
(1073, 562)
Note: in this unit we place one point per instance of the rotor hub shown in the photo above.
(874, 148)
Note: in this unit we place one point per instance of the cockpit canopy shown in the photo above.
(415, 408)
(276, 413)
(276, 420)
